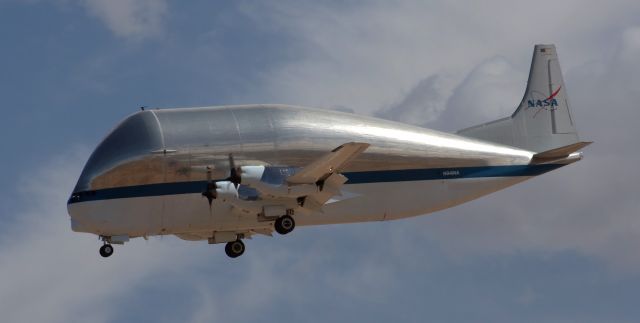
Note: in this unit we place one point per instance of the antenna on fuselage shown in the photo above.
(142, 108)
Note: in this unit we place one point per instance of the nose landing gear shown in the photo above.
(107, 249)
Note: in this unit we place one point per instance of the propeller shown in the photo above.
(234, 177)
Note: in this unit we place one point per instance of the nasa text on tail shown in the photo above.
(224, 174)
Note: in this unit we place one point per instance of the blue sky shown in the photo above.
(559, 248)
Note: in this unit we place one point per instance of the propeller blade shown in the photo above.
(234, 172)
(210, 192)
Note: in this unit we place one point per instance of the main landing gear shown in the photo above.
(234, 249)
(106, 250)
(284, 224)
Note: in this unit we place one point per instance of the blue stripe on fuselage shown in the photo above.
(447, 173)
(366, 177)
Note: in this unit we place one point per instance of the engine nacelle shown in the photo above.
(226, 190)
(251, 175)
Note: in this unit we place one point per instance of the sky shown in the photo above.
(563, 247)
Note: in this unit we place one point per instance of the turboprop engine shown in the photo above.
(226, 190)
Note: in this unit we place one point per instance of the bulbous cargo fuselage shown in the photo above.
(147, 176)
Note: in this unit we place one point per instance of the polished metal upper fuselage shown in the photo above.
(177, 145)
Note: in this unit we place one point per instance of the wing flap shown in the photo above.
(330, 188)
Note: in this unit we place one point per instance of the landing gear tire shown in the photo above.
(106, 250)
(284, 224)
(234, 249)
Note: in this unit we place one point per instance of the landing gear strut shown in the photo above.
(284, 224)
(234, 249)
(106, 250)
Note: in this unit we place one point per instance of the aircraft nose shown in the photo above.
(79, 221)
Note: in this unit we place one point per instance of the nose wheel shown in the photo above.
(234, 249)
(284, 224)
(106, 250)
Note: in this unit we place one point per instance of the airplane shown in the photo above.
(224, 174)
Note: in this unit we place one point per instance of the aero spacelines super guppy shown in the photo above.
(224, 174)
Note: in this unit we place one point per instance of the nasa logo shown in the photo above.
(542, 103)
(548, 102)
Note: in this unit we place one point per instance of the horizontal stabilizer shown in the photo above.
(563, 151)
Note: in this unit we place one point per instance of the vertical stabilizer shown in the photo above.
(543, 120)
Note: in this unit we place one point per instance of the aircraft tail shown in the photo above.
(543, 120)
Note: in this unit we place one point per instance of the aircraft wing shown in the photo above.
(310, 187)
(328, 164)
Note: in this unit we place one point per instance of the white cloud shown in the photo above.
(492, 90)
(207, 310)
(132, 19)
(424, 103)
